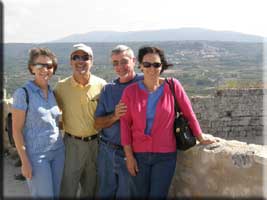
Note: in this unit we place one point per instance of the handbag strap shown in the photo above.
(172, 88)
(27, 97)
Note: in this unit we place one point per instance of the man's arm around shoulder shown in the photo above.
(108, 120)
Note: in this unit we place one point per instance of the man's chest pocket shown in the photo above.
(93, 95)
(85, 99)
(92, 103)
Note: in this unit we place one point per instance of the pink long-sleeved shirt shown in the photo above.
(161, 139)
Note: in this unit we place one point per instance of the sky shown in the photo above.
(36, 21)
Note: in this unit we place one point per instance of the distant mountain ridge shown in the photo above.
(181, 34)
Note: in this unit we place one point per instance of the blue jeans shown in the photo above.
(112, 173)
(155, 175)
(47, 171)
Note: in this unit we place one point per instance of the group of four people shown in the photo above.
(118, 137)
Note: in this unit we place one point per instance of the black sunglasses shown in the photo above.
(41, 65)
(81, 58)
(148, 64)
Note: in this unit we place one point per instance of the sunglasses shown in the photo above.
(81, 58)
(121, 62)
(43, 65)
(148, 64)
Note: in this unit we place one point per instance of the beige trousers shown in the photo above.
(79, 168)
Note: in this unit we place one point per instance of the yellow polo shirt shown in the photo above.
(78, 104)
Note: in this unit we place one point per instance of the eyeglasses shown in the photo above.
(81, 58)
(121, 62)
(43, 65)
(148, 64)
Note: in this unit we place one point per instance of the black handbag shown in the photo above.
(183, 134)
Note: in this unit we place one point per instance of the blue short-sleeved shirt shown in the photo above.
(40, 132)
(109, 98)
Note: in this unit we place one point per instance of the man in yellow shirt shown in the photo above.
(77, 97)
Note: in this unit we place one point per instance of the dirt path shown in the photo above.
(13, 188)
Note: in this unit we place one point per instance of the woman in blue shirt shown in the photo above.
(35, 127)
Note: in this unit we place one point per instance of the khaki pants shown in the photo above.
(80, 167)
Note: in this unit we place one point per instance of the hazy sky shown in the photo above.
(45, 20)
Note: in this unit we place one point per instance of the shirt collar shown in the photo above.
(73, 82)
(92, 80)
(117, 80)
(35, 87)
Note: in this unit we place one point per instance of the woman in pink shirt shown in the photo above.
(147, 127)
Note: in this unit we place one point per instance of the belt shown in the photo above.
(114, 146)
(86, 139)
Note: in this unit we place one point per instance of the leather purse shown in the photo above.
(183, 134)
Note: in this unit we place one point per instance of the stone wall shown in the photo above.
(225, 169)
(232, 114)
(6, 109)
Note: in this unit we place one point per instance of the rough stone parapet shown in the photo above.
(233, 114)
(225, 169)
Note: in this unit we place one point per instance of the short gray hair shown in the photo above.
(121, 48)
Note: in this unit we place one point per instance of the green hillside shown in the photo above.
(201, 66)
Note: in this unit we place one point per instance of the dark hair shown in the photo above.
(34, 53)
(154, 50)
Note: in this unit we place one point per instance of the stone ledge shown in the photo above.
(227, 168)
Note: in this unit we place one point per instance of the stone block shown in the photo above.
(229, 169)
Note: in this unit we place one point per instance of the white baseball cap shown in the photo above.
(82, 47)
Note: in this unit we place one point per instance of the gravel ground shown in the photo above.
(13, 188)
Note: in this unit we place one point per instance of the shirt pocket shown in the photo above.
(92, 97)
(93, 93)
